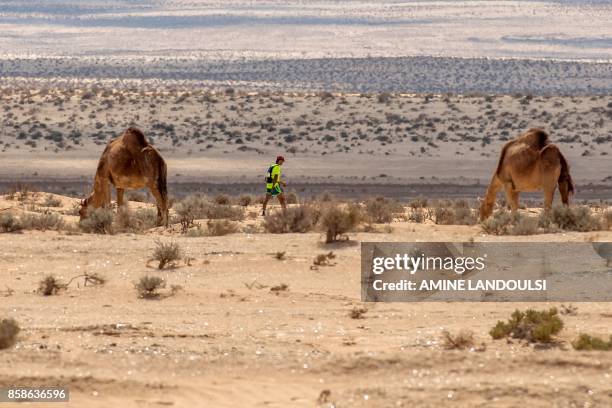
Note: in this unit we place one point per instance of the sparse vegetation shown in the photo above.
(337, 221)
(217, 228)
(324, 259)
(531, 325)
(9, 223)
(9, 329)
(381, 210)
(135, 221)
(588, 342)
(148, 287)
(462, 340)
(302, 218)
(358, 312)
(570, 219)
(50, 285)
(166, 254)
(98, 221)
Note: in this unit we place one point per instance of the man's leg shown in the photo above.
(265, 203)
(281, 198)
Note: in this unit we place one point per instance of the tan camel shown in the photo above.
(529, 163)
(129, 162)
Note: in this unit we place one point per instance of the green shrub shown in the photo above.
(9, 329)
(9, 223)
(302, 218)
(98, 221)
(531, 325)
(337, 221)
(570, 218)
(587, 342)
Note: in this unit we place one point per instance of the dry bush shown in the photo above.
(500, 223)
(50, 285)
(136, 197)
(588, 342)
(42, 222)
(217, 228)
(9, 223)
(135, 222)
(302, 218)
(283, 287)
(454, 213)
(245, 200)
(381, 210)
(525, 226)
(166, 253)
(462, 340)
(9, 329)
(358, 312)
(324, 259)
(196, 207)
(280, 255)
(337, 221)
(98, 221)
(607, 220)
(222, 199)
(196, 232)
(531, 325)
(185, 215)
(291, 198)
(418, 215)
(570, 218)
(148, 287)
(51, 201)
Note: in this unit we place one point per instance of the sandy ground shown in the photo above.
(228, 340)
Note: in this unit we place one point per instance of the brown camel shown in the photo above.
(529, 163)
(129, 162)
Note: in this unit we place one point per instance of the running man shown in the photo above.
(274, 183)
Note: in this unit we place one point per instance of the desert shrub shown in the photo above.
(381, 210)
(570, 219)
(198, 207)
(465, 216)
(218, 228)
(198, 231)
(148, 286)
(136, 196)
(51, 201)
(135, 221)
(166, 253)
(245, 200)
(291, 198)
(9, 329)
(50, 285)
(337, 221)
(419, 202)
(587, 342)
(500, 223)
(531, 325)
(42, 222)
(418, 215)
(525, 226)
(358, 312)
(222, 199)
(324, 259)
(607, 220)
(9, 223)
(98, 221)
(444, 216)
(217, 211)
(461, 340)
(302, 218)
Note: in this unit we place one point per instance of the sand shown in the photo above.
(228, 340)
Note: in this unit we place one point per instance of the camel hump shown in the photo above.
(134, 137)
(536, 138)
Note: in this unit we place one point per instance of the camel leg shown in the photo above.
(162, 211)
(120, 192)
(512, 196)
(549, 195)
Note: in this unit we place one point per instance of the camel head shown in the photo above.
(83, 208)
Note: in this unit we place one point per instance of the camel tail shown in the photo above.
(565, 174)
